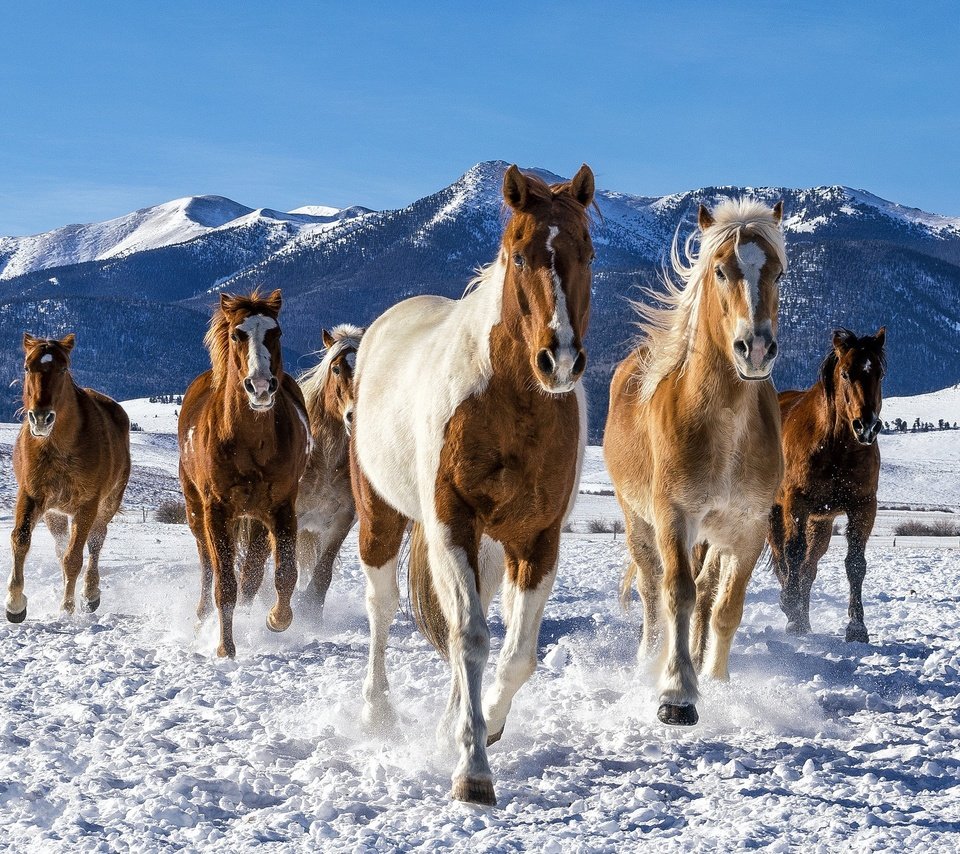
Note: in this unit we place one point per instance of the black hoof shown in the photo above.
(857, 633)
(674, 715)
(474, 791)
(493, 738)
(17, 618)
(92, 605)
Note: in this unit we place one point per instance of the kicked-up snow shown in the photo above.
(122, 731)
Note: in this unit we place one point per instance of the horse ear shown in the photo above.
(68, 342)
(29, 342)
(704, 218)
(515, 189)
(778, 212)
(328, 340)
(275, 300)
(582, 187)
(227, 301)
(880, 336)
(843, 339)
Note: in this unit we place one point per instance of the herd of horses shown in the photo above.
(463, 422)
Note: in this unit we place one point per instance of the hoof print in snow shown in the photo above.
(17, 618)
(675, 715)
(472, 790)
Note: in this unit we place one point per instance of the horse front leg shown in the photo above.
(530, 573)
(91, 578)
(83, 521)
(678, 687)
(220, 545)
(284, 524)
(25, 519)
(452, 546)
(736, 568)
(859, 527)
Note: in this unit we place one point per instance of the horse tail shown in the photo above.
(424, 601)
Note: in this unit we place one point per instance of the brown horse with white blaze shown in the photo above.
(244, 440)
(71, 458)
(832, 468)
(692, 442)
(470, 420)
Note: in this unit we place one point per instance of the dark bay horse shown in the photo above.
(470, 420)
(832, 468)
(692, 443)
(71, 458)
(244, 439)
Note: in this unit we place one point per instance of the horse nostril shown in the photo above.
(273, 385)
(580, 364)
(858, 425)
(772, 350)
(248, 386)
(741, 348)
(545, 361)
(48, 418)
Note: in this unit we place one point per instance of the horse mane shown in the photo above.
(668, 325)
(217, 337)
(314, 380)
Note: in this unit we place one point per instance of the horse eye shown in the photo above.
(518, 260)
(234, 336)
(336, 370)
(719, 273)
(845, 375)
(780, 275)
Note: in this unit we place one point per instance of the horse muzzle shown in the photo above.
(41, 422)
(559, 374)
(261, 392)
(866, 433)
(754, 355)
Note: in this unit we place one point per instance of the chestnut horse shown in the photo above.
(325, 509)
(244, 440)
(71, 458)
(832, 468)
(470, 420)
(692, 442)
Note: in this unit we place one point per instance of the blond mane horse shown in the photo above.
(692, 443)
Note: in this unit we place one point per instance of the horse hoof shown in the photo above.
(474, 790)
(797, 628)
(675, 715)
(857, 633)
(17, 618)
(278, 624)
(224, 651)
(493, 738)
(92, 604)
(378, 717)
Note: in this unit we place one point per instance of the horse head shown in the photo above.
(547, 253)
(857, 366)
(47, 376)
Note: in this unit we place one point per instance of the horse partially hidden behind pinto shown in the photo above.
(470, 420)
(71, 458)
(832, 468)
(325, 508)
(692, 442)
(244, 439)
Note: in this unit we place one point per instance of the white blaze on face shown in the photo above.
(45, 358)
(751, 259)
(560, 322)
(258, 356)
(866, 366)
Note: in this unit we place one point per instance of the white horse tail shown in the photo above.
(626, 584)
(424, 601)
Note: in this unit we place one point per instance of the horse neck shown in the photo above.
(326, 425)
(832, 411)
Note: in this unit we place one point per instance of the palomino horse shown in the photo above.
(325, 509)
(469, 419)
(244, 440)
(71, 458)
(692, 442)
(832, 467)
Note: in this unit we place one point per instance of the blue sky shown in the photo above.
(108, 107)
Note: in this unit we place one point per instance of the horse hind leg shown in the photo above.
(58, 524)
(707, 568)
(284, 524)
(859, 527)
(256, 550)
(91, 579)
(646, 570)
(83, 521)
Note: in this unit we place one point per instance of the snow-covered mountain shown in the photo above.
(856, 260)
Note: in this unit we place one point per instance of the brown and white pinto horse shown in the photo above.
(692, 442)
(325, 508)
(244, 440)
(832, 468)
(71, 458)
(470, 420)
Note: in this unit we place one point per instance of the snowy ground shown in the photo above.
(122, 731)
